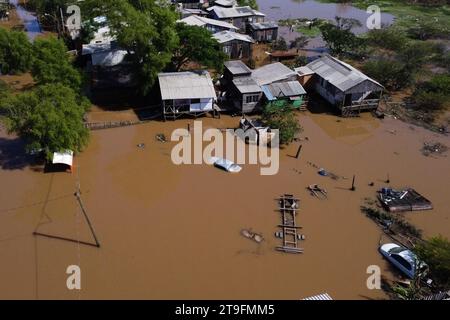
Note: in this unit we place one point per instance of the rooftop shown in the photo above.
(237, 67)
(246, 85)
(283, 89)
(235, 12)
(225, 3)
(186, 85)
(263, 25)
(303, 71)
(109, 58)
(340, 74)
(225, 36)
(272, 73)
(194, 20)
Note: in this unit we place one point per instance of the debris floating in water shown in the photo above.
(434, 148)
(249, 234)
(161, 137)
(403, 200)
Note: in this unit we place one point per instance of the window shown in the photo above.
(402, 261)
(251, 99)
(194, 101)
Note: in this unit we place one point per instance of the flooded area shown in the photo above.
(293, 9)
(173, 232)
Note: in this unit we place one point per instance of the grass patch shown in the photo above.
(406, 14)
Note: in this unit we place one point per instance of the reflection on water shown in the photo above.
(348, 130)
(285, 9)
(292, 9)
(30, 20)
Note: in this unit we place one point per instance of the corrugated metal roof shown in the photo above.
(303, 70)
(202, 21)
(235, 12)
(109, 58)
(246, 85)
(340, 74)
(271, 73)
(283, 89)
(323, 296)
(186, 85)
(225, 3)
(237, 67)
(263, 25)
(226, 36)
(95, 48)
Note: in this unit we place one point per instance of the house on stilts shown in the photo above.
(343, 86)
(186, 93)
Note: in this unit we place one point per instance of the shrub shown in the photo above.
(433, 95)
(15, 52)
(392, 74)
(387, 38)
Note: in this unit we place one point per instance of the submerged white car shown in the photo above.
(403, 259)
(225, 164)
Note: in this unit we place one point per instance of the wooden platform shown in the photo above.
(288, 206)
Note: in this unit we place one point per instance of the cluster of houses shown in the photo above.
(235, 28)
(243, 90)
(240, 89)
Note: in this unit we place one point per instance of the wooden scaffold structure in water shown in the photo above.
(288, 206)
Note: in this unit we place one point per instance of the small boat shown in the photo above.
(252, 235)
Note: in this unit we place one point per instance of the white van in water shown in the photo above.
(403, 259)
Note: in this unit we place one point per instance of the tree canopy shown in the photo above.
(251, 3)
(51, 64)
(196, 44)
(49, 117)
(339, 40)
(145, 28)
(15, 52)
(281, 116)
(436, 253)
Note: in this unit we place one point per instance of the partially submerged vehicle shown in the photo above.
(404, 259)
(225, 164)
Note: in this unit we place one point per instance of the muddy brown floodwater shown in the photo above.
(173, 232)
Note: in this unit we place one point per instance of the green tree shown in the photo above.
(280, 44)
(340, 40)
(196, 44)
(51, 64)
(49, 118)
(281, 116)
(145, 28)
(251, 3)
(436, 253)
(15, 52)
